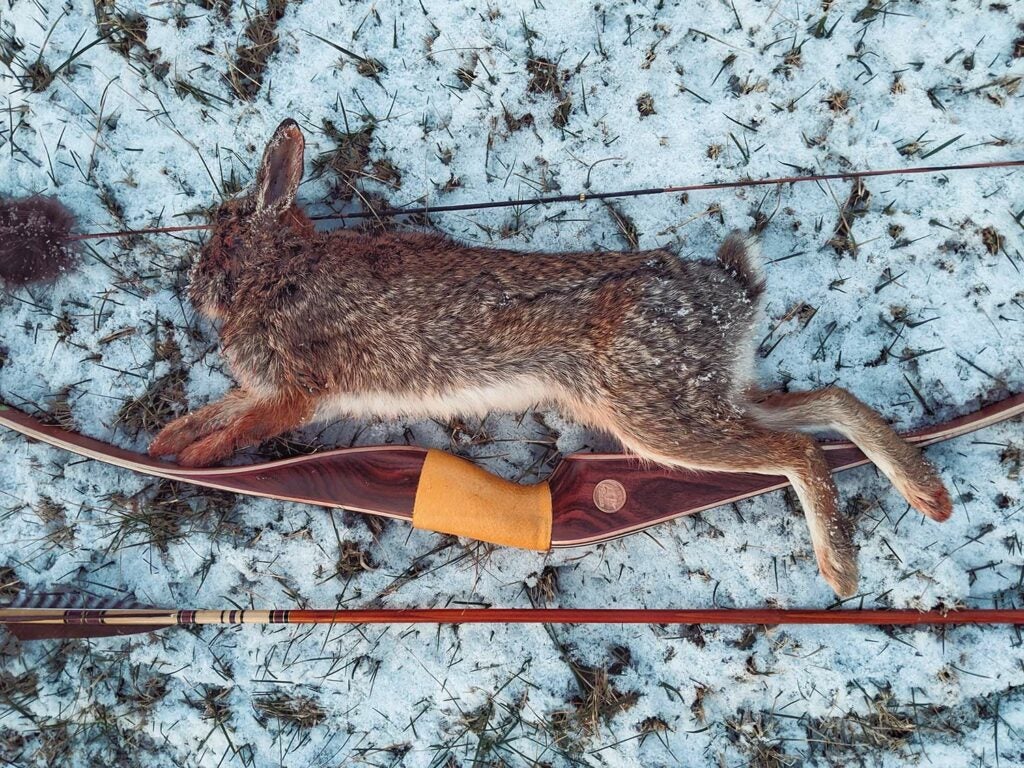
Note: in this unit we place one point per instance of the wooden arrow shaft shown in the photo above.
(156, 618)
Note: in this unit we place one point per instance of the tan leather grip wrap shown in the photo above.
(456, 496)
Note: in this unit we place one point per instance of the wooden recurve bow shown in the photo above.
(589, 498)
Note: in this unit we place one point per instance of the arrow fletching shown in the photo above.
(67, 614)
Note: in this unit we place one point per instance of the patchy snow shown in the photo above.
(737, 89)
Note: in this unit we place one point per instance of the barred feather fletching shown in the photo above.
(67, 599)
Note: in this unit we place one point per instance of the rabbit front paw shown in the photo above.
(210, 450)
(178, 435)
(183, 432)
(197, 443)
(238, 420)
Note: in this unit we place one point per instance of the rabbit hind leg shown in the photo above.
(741, 445)
(835, 408)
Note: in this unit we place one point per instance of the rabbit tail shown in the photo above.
(741, 256)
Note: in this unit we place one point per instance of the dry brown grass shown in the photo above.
(246, 73)
(299, 712)
(162, 401)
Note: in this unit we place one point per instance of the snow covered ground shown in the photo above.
(917, 306)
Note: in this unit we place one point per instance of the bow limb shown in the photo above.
(378, 481)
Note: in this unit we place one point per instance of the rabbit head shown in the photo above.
(241, 224)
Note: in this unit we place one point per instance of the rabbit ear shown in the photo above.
(281, 170)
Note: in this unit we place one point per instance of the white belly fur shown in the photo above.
(515, 395)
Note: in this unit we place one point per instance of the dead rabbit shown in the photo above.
(653, 349)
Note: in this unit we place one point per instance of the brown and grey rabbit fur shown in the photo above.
(649, 347)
